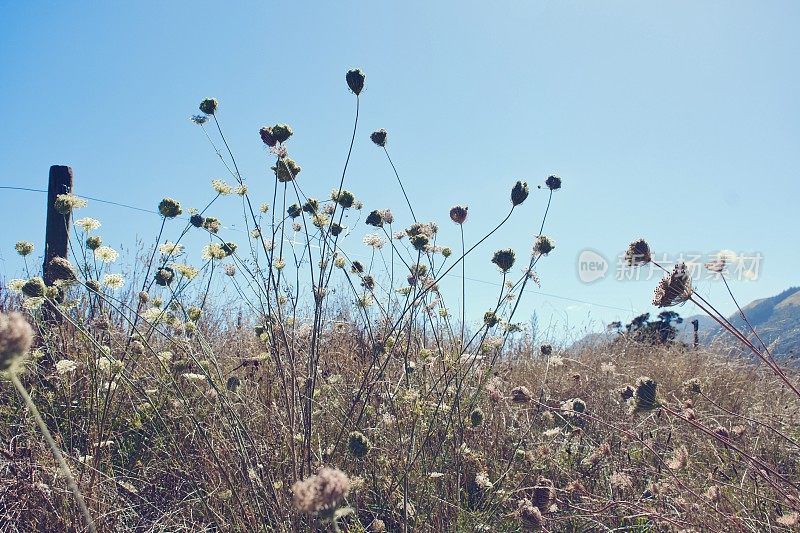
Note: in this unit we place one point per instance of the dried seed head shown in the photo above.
(519, 193)
(675, 288)
(322, 491)
(638, 253)
(355, 80)
(164, 276)
(544, 494)
(196, 220)
(490, 318)
(521, 394)
(546, 350)
(286, 170)
(358, 444)
(504, 259)
(379, 137)
(543, 245)
(458, 214)
(24, 248)
(60, 269)
(553, 183)
(94, 242)
(627, 392)
(375, 219)
(169, 208)
(34, 287)
(282, 132)
(209, 106)
(267, 137)
(16, 336)
(645, 396)
(476, 417)
(530, 517)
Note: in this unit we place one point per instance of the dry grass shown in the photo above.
(378, 411)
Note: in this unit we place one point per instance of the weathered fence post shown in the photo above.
(56, 238)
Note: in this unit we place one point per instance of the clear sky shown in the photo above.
(676, 121)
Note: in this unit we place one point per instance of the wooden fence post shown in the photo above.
(56, 238)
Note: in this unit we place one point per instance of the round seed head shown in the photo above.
(282, 132)
(375, 219)
(94, 242)
(504, 259)
(553, 183)
(476, 417)
(34, 287)
(645, 395)
(490, 319)
(24, 248)
(379, 137)
(458, 214)
(60, 269)
(169, 208)
(358, 444)
(196, 220)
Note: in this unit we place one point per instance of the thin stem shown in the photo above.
(55, 450)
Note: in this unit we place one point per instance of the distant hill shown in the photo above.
(777, 320)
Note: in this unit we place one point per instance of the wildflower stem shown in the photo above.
(401, 184)
(54, 449)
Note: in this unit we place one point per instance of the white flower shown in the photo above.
(170, 248)
(373, 240)
(153, 315)
(213, 251)
(551, 432)
(88, 224)
(113, 281)
(608, 367)
(106, 254)
(187, 271)
(193, 377)
(221, 187)
(241, 190)
(15, 285)
(556, 360)
(435, 475)
(32, 303)
(65, 366)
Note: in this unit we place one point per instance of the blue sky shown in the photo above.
(676, 121)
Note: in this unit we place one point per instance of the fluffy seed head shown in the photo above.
(16, 336)
(286, 170)
(321, 491)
